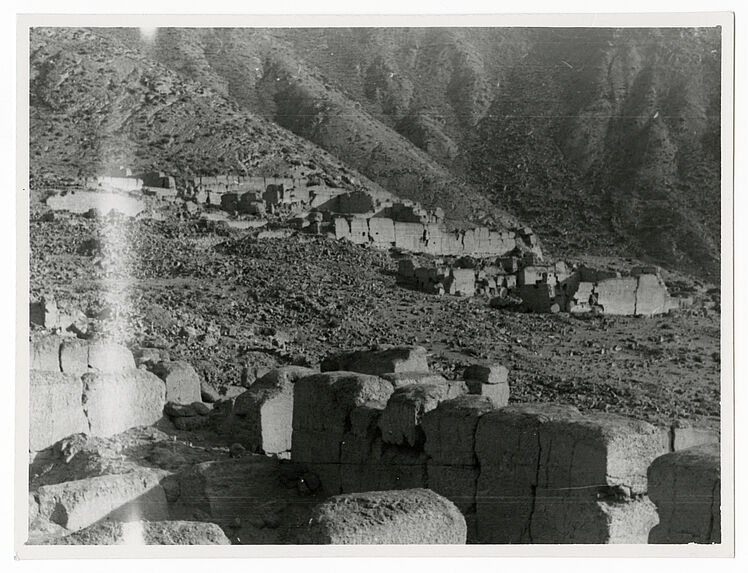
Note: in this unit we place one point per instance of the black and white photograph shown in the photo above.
(422, 284)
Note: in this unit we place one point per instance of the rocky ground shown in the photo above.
(234, 305)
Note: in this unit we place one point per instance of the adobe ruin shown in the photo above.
(437, 461)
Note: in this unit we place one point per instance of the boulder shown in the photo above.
(150, 356)
(322, 408)
(55, 409)
(412, 516)
(685, 486)
(284, 376)
(181, 380)
(600, 450)
(146, 533)
(119, 497)
(115, 402)
(396, 359)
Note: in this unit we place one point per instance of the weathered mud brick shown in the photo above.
(396, 359)
(508, 448)
(45, 353)
(683, 436)
(323, 402)
(498, 394)
(685, 486)
(600, 451)
(398, 379)
(115, 402)
(146, 532)
(487, 373)
(414, 516)
(55, 409)
(119, 497)
(74, 356)
(385, 467)
(400, 422)
(450, 429)
(575, 518)
(232, 488)
(262, 419)
(365, 419)
(586, 460)
(310, 446)
(109, 357)
(617, 295)
(456, 483)
(181, 380)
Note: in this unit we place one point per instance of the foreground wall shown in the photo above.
(527, 473)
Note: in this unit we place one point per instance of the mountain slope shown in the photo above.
(606, 141)
(612, 138)
(96, 104)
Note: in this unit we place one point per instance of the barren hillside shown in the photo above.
(605, 141)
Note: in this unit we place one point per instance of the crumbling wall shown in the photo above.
(530, 473)
(685, 485)
(104, 201)
(112, 183)
(423, 237)
(91, 387)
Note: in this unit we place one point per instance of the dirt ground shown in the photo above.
(227, 301)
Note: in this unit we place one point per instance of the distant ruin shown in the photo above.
(378, 219)
(544, 287)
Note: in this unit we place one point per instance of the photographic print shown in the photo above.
(408, 284)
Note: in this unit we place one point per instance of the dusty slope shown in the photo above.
(611, 141)
(266, 71)
(605, 141)
(302, 297)
(96, 104)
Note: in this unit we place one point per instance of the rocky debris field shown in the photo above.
(235, 306)
(189, 471)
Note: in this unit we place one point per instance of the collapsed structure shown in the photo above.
(370, 217)
(544, 287)
(376, 437)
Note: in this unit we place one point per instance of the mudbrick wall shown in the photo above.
(380, 421)
(429, 238)
(94, 387)
(521, 473)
